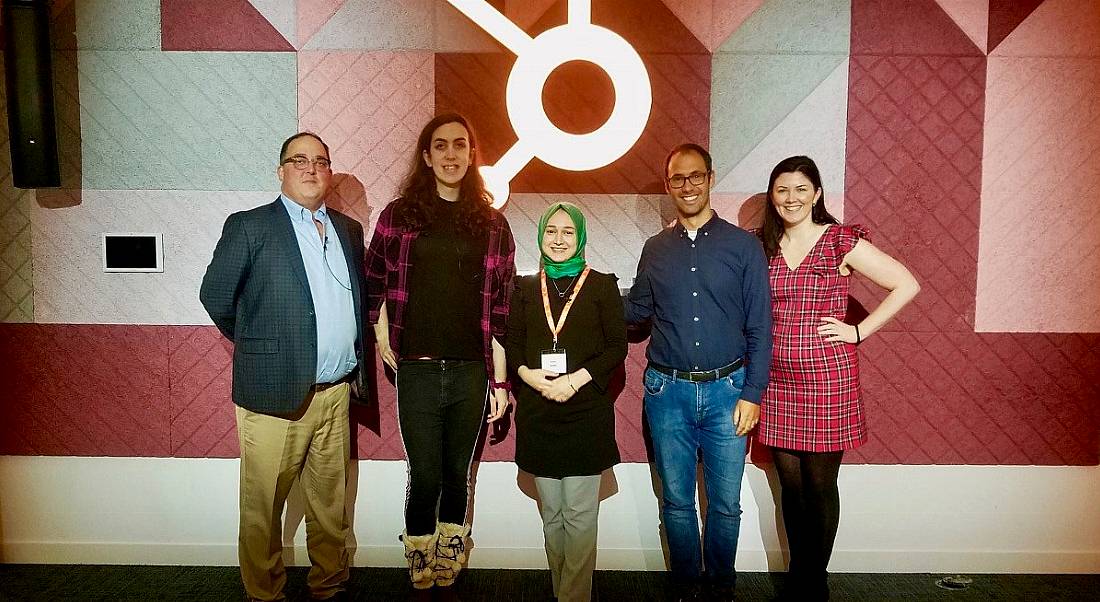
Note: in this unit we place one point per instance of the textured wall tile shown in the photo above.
(712, 21)
(753, 94)
(1006, 15)
(184, 120)
(953, 398)
(1039, 249)
(312, 15)
(1056, 28)
(283, 16)
(913, 27)
(914, 178)
(795, 27)
(377, 25)
(102, 390)
(972, 17)
(218, 25)
(70, 285)
(84, 390)
(914, 147)
(117, 24)
(16, 301)
(526, 13)
(816, 128)
(455, 32)
(200, 374)
(369, 107)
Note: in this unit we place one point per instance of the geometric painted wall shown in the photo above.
(962, 133)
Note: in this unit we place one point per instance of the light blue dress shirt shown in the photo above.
(330, 287)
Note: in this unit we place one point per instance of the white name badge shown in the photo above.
(553, 360)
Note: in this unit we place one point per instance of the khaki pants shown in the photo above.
(314, 448)
(570, 517)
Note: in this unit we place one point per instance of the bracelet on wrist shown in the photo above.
(501, 384)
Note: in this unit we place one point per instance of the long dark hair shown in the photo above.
(418, 189)
(772, 230)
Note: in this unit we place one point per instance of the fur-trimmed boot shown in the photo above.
(450, 552)
(420, 555)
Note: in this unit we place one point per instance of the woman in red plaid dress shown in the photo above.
(811, 411)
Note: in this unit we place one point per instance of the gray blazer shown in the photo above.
(256, 292)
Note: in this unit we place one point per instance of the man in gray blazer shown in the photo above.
(285, 285)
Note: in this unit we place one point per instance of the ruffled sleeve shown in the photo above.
(848, 235)
(842, 239)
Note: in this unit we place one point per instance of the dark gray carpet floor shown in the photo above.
(149, 583)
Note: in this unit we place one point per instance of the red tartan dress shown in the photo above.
(812, 402)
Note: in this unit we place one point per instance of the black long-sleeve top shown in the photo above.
(577, 437)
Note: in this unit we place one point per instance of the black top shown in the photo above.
(447, 266)
(574, 438)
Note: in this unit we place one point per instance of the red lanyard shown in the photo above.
(555, 329)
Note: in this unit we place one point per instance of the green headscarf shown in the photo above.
(573, 265)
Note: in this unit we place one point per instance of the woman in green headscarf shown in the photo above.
(566, 339)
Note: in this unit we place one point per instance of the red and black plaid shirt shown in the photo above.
(387, 267)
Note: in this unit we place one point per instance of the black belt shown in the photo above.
(347, 378)
(701, 376)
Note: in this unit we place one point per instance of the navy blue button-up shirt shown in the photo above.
(708, 300)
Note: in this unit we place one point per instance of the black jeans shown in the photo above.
(441, 408)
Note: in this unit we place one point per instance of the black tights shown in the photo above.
(811, 512)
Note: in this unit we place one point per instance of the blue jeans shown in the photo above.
(685, 418)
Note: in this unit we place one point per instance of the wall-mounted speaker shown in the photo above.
(29, 78)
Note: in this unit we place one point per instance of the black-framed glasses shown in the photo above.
(302, 163)
(696, 178)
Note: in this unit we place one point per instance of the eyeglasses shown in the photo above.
(302, 163)
(696, 179)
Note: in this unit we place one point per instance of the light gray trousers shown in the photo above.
(570, 517)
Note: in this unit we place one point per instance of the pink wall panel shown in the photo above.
(918, 27)
(312, 16)
(1045, 276)
(1005, 16)
(84, 390)
(369, 107)
(200, 376)
(962, 398)
(712, 21)
(217, 25)
(937, 391)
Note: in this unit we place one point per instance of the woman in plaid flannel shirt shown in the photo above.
(439, 278)
(811, 411)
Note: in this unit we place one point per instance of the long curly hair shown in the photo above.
(772, 229)
(418, 189)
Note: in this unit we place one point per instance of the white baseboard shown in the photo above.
(935, 519)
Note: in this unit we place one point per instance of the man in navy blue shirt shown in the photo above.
(703, 285)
